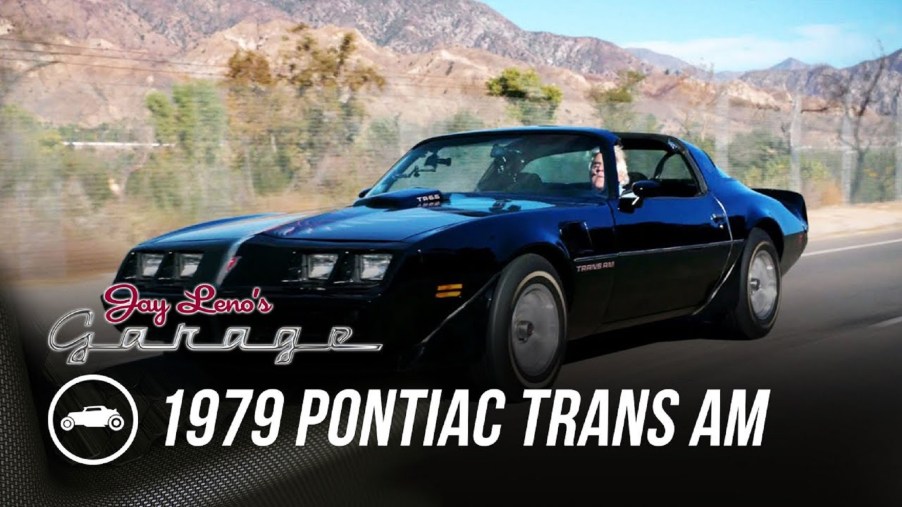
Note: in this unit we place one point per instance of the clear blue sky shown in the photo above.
(730, 35)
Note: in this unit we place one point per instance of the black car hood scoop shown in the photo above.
(400, 199)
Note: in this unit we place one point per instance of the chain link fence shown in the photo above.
(73, 200)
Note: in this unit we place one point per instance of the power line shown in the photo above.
(31, 41)
(113, 67)
(192, 64)
(457, 84)
(110, 57)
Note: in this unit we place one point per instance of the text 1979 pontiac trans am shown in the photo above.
(493, 249)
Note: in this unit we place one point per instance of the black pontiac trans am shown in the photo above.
(493, 249)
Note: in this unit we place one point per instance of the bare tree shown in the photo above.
(855, 97)
(705, 118)
(704, 93)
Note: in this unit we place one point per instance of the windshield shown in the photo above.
(544, 164)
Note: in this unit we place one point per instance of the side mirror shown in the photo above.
(639, 191)
(644, 189)
(364, 192)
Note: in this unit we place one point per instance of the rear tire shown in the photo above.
(527, 329)
(759, 284)
(67, 424)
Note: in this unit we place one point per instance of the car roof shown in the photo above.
(608, 135)
(95, 406)
(647, 136)
(534, 129)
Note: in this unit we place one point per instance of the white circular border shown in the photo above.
(121, 389)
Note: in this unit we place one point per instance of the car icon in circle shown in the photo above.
(96, 416)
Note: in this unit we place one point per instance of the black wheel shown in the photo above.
(527, 330)
(759, 285)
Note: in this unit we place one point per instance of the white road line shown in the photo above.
(888, 323)
(854, 247)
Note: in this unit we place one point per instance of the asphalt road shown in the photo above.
(833, 433)
(833, 364)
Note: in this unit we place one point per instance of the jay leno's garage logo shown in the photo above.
(124, 301)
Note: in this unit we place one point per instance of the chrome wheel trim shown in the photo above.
(763, 286)
(535, 330)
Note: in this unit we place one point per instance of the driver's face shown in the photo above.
(596, 171)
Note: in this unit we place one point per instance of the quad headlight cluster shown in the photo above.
(360, 268)
(183, 265)
(186, 264)
(319, 266)
(372, 266)
(149, 264)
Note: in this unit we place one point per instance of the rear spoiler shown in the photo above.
(793, 201)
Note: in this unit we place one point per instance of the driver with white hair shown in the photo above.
(596, 169)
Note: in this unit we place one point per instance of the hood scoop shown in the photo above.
(402, 199)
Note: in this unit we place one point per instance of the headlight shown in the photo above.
(319, 266)
(372, 267)
(148, 264)
(187, 263)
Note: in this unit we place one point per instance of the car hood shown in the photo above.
(227, 229)
(378, 223)
(361, 222)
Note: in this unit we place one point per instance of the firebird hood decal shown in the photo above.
(367, 224)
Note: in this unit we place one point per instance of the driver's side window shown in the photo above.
(669, 168)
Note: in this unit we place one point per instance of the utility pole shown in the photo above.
(848, 154)
(722, 135)
(795, 140)
(899, 147)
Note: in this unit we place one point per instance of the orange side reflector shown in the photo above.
(451, 294)
(452, 286)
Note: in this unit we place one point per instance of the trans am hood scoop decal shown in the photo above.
(407, 198)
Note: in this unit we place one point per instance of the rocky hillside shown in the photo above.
(407, 26)
(827, 82)
(791, 64)
(662, 61)
(98, 58)
(415, 26)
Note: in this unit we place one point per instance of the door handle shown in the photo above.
(718, 220)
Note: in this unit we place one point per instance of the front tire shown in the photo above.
(527, 330)
(759, 288)
(115, 423)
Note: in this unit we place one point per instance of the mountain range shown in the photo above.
(169, 31)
